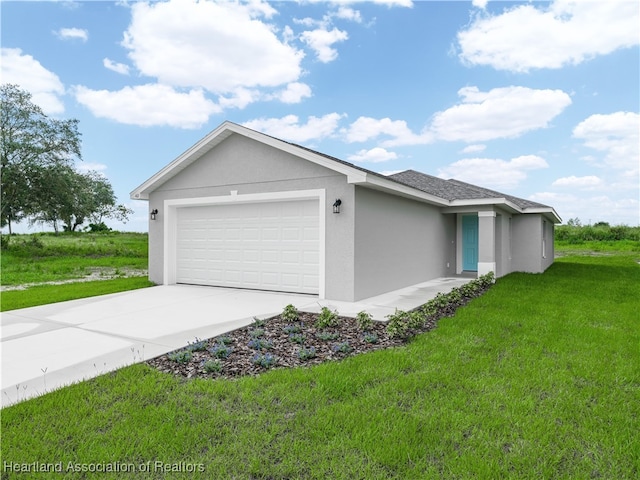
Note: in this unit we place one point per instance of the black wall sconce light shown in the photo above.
(336, 205)
(154, 213)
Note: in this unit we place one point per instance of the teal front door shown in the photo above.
(470, 243)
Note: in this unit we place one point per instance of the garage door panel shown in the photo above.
(271, 246)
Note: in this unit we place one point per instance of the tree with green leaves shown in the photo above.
(39, 181)
(31, 144)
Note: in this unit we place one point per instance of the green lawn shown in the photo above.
(538, 378)
(39, 258)
(45, 294)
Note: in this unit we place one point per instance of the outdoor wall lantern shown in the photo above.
(154, 212)
(336, 205)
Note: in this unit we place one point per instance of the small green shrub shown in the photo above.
(224, 340)
(327, 318)
(258, 322)
(181, 356)
(297, 338)
(398, 326)
(370, 337)
(256, 333)
(212, 366)
(265, 361)
(326, 336)
(416, 319)
(197, 346)
(260, 344)
(289, 329)
(342, 347)
(307, 353)
(290, 313)
(221, 350)
(364, 321)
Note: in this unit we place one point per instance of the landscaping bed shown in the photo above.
(294, 339)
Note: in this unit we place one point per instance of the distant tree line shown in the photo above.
(575, 232)
(40, 183)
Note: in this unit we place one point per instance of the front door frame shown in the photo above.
(470, 242)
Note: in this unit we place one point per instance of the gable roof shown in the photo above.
(410, 183)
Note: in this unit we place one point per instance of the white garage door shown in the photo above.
(266, 246)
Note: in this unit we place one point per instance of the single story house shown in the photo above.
(244, 209)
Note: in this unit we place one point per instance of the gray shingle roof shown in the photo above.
(447, 189)
(455, 189)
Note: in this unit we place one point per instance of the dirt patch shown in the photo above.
(95, 274)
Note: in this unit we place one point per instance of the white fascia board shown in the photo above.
(487, 201)
(379, 183)
(548, 211)
(182, 161)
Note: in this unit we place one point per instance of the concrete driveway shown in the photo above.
(47, 347)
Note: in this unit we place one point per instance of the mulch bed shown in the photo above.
(241, 361)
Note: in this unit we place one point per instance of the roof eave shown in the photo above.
(222, 132)
(380, 183)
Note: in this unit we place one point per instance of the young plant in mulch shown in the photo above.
(212, 366)
(307, 353)
(265, 360)
(290, 313)
(326, 318)
(326, 336)
(364, 321)
(181, 356)
(221, 350)
(342, 347)
(197, 346)
(260, 344)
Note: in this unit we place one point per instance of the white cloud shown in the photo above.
(367, 128)
(88, 166)
(348, 13)
(294, 93)
(149, 105)
(473, 148)
(616, 135)
(591, 209)
(479, 3)
(374, 155)
(567, 32)
(493, 173)
(386, 173)
(219, 46)
(321, 41)
(239, 98)
(73, 34)
(24, 70)
(588, 181)
(115, 66)
(499, 113)
(289, 127)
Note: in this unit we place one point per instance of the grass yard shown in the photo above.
(38, 258)
(115, 262)
(538, 378)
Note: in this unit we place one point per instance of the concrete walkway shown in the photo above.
(48, 347)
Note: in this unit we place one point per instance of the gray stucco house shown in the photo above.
(243, 209)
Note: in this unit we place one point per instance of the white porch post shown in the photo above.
(486, 242)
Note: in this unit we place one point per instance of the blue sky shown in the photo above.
(535, 99)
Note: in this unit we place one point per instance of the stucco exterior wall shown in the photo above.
(527, 244)
(248, 167)
(399, 242)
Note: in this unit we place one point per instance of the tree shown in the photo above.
(31, 144)
(93, 199)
